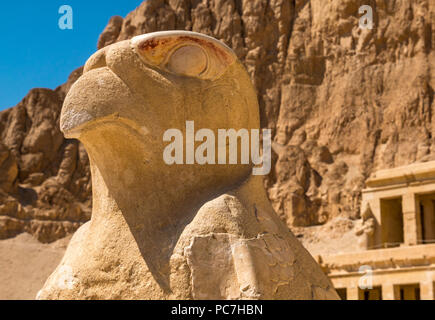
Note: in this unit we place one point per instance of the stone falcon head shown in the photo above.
(163, 231)
(131, 92)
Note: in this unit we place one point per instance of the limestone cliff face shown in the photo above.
(341, 101)
(44, 179)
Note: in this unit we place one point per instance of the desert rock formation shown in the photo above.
(45, 184)
(342, 102)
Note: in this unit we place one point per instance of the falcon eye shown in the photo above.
(188, 60)
(184, 53)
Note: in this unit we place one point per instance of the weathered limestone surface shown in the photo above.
(45, 184)
(173, 232)
(342, 101)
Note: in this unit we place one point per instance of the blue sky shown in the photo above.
(35, 52)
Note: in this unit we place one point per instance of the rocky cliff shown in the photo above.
(342, 101)
(45, 185)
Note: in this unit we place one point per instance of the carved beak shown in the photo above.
(97, 94)
(143, 65)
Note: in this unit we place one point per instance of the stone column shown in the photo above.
(429, 232)
(388, 292)
(427, 290)
(411, 219)
(353, 293)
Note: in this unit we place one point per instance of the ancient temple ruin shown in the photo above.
(398, 254)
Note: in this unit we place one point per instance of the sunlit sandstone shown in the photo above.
(173, 232)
